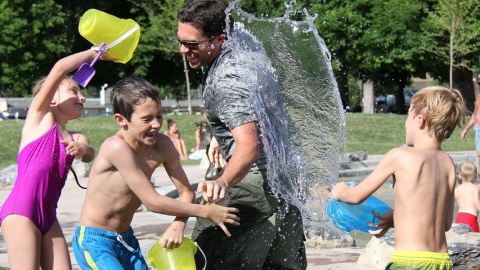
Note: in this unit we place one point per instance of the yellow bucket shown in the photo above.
(180, 258)
(121, 36)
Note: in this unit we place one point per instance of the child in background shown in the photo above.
(174, 134)
(424, 182)
(467, 196)
(119, 183)
(32, 233)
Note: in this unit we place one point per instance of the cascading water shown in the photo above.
(300, 112)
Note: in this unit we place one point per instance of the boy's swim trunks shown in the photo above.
(96, 248)
(419, 260)
(467, 218)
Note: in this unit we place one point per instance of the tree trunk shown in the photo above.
(400, 106)
(342, 82)
(368, 97)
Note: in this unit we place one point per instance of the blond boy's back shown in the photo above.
(425, 181)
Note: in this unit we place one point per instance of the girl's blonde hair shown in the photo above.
(442, 108)
(36, 88)
(468, 172)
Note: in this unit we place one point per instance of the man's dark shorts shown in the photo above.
(270, 235)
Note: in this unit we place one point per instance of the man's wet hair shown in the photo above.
(207, 15)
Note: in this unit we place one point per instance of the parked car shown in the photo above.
(17, 113)
(385, 104)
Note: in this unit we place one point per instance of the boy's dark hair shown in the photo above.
(130, 92)
(206, 15)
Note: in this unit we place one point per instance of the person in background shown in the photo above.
(119, 183)
(202, 139)
(271, 232)
(474, 121)
(197, 141)
(424, 182)
(28, 217)
(467, 196)
(174, 134)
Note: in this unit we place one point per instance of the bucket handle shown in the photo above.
(120, 39)
(204, 257)
(101, 50)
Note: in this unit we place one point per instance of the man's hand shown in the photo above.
(213, 190)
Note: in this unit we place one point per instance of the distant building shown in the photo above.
(98, 105)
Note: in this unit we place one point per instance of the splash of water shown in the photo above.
(298, 104)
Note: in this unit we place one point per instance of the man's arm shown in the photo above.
(246, 152)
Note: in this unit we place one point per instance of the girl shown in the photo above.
(174, 134)
(28, 219)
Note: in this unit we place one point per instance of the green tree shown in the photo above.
(160, 57)
(341, 25)
(391, 42)
(374, 40)
(454, 29)
(32, 37)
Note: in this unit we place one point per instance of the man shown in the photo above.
(270, 235)
(475, 120)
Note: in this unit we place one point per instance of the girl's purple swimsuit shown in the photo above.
(42, 171)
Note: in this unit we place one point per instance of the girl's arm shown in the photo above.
(80, 148)
(41, 102)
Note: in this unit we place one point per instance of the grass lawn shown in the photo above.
(377, 133)
(373, 133)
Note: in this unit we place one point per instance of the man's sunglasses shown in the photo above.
(193, 44)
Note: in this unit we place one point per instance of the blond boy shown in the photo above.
(120, 182)
(424, 182)
(467, 196)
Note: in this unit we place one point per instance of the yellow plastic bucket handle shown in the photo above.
(204, 257)
(119, 39)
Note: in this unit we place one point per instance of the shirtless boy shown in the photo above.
(467, 196)
(424, 182)
(120, 182)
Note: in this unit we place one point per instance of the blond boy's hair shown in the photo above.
(442, 108)
(468, 172)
